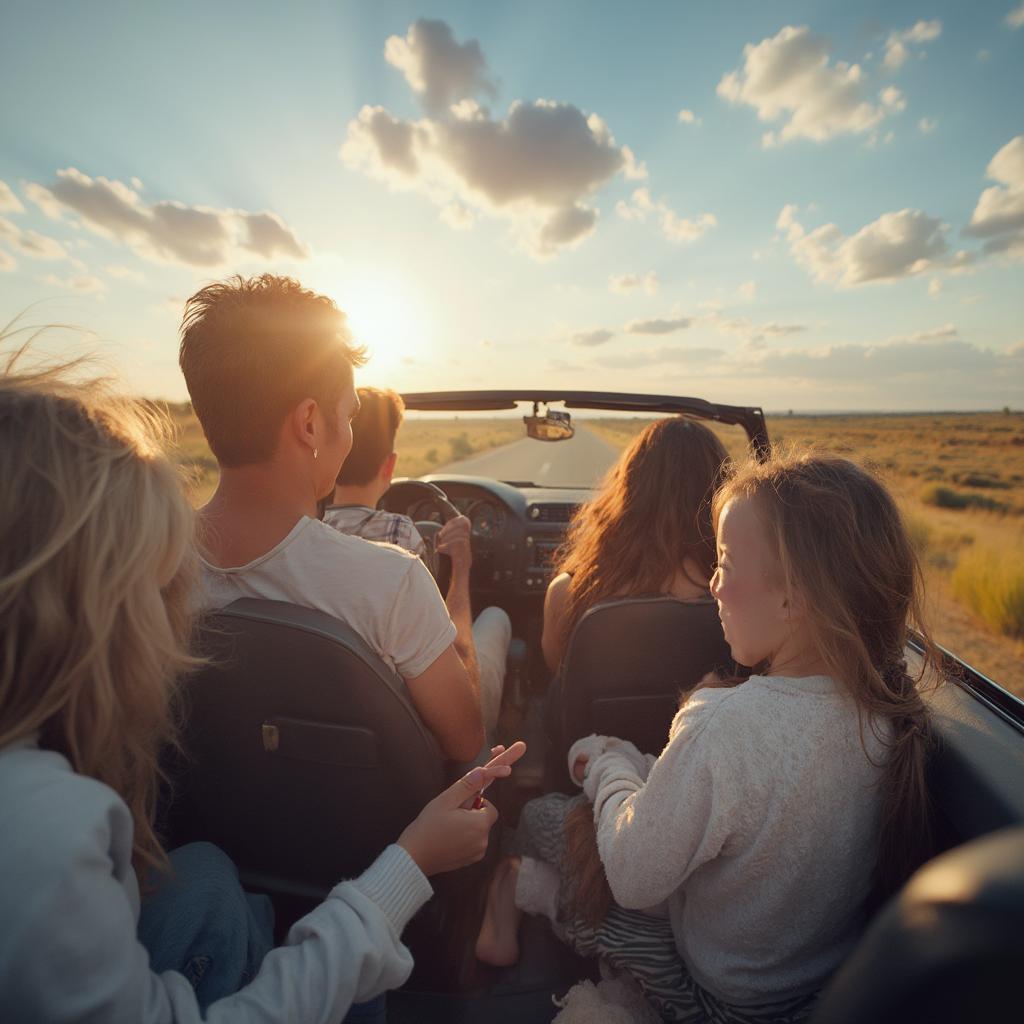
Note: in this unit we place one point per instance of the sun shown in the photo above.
(388, 313)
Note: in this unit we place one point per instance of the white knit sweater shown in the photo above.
(758, 824)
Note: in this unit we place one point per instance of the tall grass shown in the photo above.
(991, 583)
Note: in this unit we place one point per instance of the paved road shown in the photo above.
(578, 462)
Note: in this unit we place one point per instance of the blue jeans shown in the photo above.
(202, 924)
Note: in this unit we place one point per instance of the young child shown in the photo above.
(779, 805)
(364, 477)
(95, 570)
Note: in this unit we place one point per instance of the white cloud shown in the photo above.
(457, 216)
(897, 46)
(167, 230)
(927, 125)
(1016, 17)
(658, 325)
(896, 245)
(999, 214)
(789, 76)
(934, 287)
(665, 355)
(623, 284)
(267, 235)
(689, 117)
(7, 261)
(745, 328)
(438, 69)
(927, 360)
(674, 227)
(537, 167)
(892, 98)
(947, 332)
(40, 247)
(9, 202)
(123, 273)
(593, 338)
(747, 291)
(84, 284)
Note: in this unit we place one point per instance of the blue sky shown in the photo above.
(512, 194)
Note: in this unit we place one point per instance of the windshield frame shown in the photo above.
(750, 418)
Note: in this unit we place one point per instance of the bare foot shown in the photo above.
(498, 941)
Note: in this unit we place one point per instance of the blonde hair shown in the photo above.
(841, 543)
(95, 573)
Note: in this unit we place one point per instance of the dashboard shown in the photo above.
(516, 529)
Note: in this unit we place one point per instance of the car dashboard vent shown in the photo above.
(552, 513)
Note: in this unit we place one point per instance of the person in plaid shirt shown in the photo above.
(364, 477)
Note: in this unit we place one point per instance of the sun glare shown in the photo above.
(389, 315)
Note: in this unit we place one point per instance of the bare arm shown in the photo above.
(454, 541)
(555, 601)
(447, 698)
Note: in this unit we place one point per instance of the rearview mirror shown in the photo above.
(552, 426)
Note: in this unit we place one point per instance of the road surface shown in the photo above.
(579, 462)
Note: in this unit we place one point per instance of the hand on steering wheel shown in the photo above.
(402, 494)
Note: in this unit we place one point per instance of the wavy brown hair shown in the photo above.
(95, 573)
(651, 515)
(841, 543)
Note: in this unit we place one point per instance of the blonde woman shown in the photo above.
(95, 569)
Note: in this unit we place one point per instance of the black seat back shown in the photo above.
(948, 948)
(627, 663)
(304, 754)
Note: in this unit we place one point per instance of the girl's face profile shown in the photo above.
(746, 584)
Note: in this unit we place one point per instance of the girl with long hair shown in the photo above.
(95, 572)
(740, 865)
(648, 530)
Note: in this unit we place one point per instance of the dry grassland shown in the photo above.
(960, 481)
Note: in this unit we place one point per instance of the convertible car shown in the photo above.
(305, 756)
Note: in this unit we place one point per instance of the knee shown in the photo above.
(208, 877)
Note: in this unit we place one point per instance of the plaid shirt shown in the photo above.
(376, 525)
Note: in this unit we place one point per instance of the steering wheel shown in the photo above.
(402, 494)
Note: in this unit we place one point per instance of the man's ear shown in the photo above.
(387, 467)
(304, 423)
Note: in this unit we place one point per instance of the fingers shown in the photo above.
(472, 783)
(506, 755)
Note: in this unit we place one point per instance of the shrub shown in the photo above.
(946, 497)
(431, 455)
(991, 583)
(981, 480)
(920, 533)
(461, 446)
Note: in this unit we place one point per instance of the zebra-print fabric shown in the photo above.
(634, 942)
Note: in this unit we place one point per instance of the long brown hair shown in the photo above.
(95, 573)
(842, 544)
(652, 514)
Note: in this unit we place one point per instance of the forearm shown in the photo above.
(461, 611)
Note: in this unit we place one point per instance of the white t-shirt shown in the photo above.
(384, 593)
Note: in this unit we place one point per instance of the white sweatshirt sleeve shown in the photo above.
(69, 951)
(652, 835)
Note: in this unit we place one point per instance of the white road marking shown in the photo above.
(543, 471)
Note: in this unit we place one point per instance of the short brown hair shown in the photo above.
(251, 350)
(373, 435)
